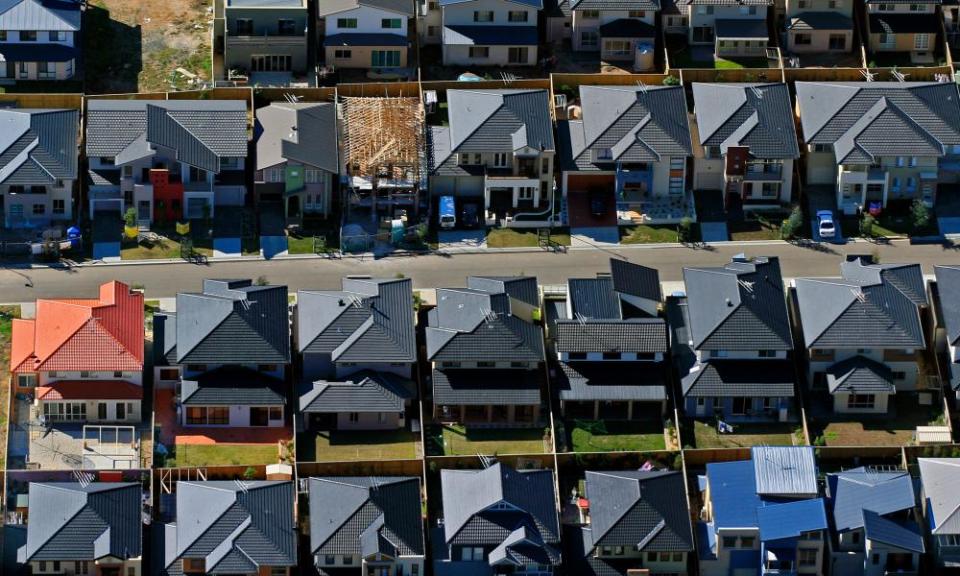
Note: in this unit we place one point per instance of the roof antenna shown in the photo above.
(900, 76)
(746, 285)
(83, 478)
(757, 92)
(581, 318)
(291, 98)
(485, 461)
(860, 295)
(867, 75)
(642, 86)
(241, 485)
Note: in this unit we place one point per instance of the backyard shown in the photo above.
(338, 446)
(452, 440)
(616, 436)
(897, 428)
(134, 45)
(192, 455)
(705, 435)
(682, 55)
(524, 238)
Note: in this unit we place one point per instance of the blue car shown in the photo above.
(825, 225)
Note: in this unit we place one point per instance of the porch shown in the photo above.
(490, 415)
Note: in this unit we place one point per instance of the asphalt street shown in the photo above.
(162, 280)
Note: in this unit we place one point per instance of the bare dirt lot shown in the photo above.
(137, 45)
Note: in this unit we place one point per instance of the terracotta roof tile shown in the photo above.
(90, 390)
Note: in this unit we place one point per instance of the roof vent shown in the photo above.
(741, 257)
(729, 302)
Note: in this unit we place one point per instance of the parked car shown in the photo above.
(448, 212)
(825, 224)
(470, 216)
(598, 202)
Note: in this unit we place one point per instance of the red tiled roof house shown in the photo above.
(82, 359)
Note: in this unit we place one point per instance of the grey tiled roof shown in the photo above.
(522, 288)
(593, 298)
(528, 496)
(63, 15)
(635, 280)
(758, 116)
(470, 324)
(639, 510)
(948, 285)
(860, 375)
(740, 378)
(628, 28)
(233, 321)
(868, 306)
(346, 511)
(232, 385)
(495, 121)
(70, 522)
(201, 132)
(232, 525)
(863, 120)
(369, 320)
(399, 6)
(740, 306)
(303, 132)
(615, 5)
(636, 124)
(364, 391)
(610, 381)
(473, 387)
(642, 335)
(38, 146)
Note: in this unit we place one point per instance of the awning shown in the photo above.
(36, 53)
(371, 39)
(751, 29)
(820, 21)
(490, 35)
(90, 390)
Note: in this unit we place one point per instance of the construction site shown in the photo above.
(384, 197)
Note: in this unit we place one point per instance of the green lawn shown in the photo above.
(744, 435)
(764, 228)
(457, 440)
(681, 59)
(163, 248)
(340, 446)
(600, 436)
(523, 238)
(188, 455)
(648, 234)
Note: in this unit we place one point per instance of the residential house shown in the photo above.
(732, 342)
(231, 345)
(82, 358)
(874, 524)
(611, 346)
(905, 27)
(941, 501)
(169, 160)
(430, 23)
(819, 26)
(497, 521)
(498, 152)
(92, 528)
(366, 525)
(625, 160)
(358, 349)
(948, 317)
(298, 164)
(262, 40)
(762, 515)
(618, 30)
(633, 520)
(674, 18)
(490, 32)
(486, 352)
(747, 143)
(863, 333)
(366, 33)
(558, 19)
(39, 39)
(735, 28)
(39, 166)
(229, 527)
(877, 142)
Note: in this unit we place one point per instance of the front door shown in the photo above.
(701, 406)
(259, 416)
(740, 406)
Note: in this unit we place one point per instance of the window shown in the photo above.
(802, 39)
(916, 8)
(346, 23)
(80, 567)
(342, 54)
(477, 553)
(466, 554)
(611, 355)
(748, 10)
(525, 193)
(741, 405)
(243, 26)
(517, 16)
(385, 58)
(855, 537)
(276, 413)
(500, 159)
(546, 166)
(921, 41)
(479, 51)
(218, 415)
(26, 380)
(483, 16)
(84, 374)
(59, 206)
(576, 355)
(729, 541)
(275, 571)
(198, 174)
(861, 401)
(517, 55)
(604, 154)
(636, 14)
(3, 35)
(433, 6)
(589, 14)
(286, 27)
(746, 541)
(834, 4)
(39, 209)
(58, 36)
(415, 569)
(589, 39)
(28, 35)
(803, 4)
(768, 353)
(391, 23)
(617, 47)
(807, 557)
(677, 557)
(717, 353)
(347, 560)
(838, 42)
(898, 375)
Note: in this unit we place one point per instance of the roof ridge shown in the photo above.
(482, 122)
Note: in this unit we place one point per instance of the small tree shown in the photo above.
(250, 473)
(262, 281)
(866, 225)
(919, 214)
(671, 81)
(130, 217)
(685, 229)
(791, 226)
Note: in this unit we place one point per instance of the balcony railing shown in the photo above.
(273, 39)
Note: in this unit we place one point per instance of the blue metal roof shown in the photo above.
(785, 470)
(880, 529)
(733, 492)
(365, 39)
(790, 519)
(854, 491)
(744, 559)
(468, 35)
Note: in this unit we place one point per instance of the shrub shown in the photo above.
(791, 226)
(130, 217)
(685, 230)
(919, 214)
(671, 81)
(867, 224)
